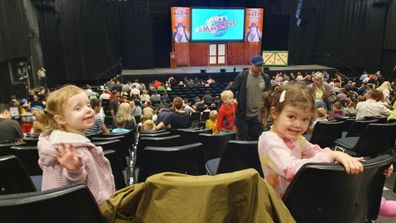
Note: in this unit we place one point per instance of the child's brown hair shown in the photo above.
(295, 94)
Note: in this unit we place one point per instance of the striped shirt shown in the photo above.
(96, 127)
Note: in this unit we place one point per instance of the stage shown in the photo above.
(221, 73)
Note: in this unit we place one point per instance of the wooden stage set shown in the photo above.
(219, 73)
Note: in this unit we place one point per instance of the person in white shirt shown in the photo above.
(371, 107)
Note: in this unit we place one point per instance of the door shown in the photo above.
(217, 54)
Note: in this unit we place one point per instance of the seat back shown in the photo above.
(115, 145)
(159, 134)
(13, 177)
(116, 169)
(240, 155)
(173, 140)
(357, 127)
(181, 159)
(214, 144)
(31, 141)
(325, 133)
(62, 205)
(190, 135)
(29, 157)
(324, 192)
(377, 138)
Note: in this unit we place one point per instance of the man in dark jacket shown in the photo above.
(248, 86)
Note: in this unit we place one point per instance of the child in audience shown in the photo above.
(338, 112)
(283, 150)
(226, 117)
(211, 122)
(66, 156)
(148, 125)
(120, 123)
(321, 115)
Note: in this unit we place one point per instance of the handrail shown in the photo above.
(118, 63)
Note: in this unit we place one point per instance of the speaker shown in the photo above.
(203, 71)
(222, 70)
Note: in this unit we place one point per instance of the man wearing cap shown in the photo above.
(248, 87)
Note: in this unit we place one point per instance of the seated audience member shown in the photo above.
(187, 108)
(165, 97)
(124, 110)
(321, 115)
(371, 107)
(350, 110)
(207, 98)
(211, 122)
(144, 97)
(177, 119)
(148, 125)
(163, 113)
(337, 112)
(10, 130)
(98, 123)
(226, 117)
(120, 123)
(155, 98)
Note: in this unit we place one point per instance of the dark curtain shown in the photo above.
(339, 33)
(389, 53)
(14, 40)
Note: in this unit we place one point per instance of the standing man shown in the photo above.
(42, 77)
(248, 87)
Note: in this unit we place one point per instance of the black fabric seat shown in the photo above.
(173, 140)
(159, 134)
(115, 145)
(14, 177)
(119, 179)
(324, 133)
(324, 192)
(62, 205)
(181, 159)
(29, 157)
(31, 141)
(358, 126)
(190, 135)
(376, 139)
(238, 155)
(214, 144)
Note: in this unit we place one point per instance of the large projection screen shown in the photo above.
(217, 24)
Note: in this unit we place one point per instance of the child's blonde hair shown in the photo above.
(148, 125)
(213, 115)
(226, 93)
(294, 94)
(120, 121)
(55, 105)
(321, 112)
(125, 110)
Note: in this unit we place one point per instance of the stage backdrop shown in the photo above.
(188, 53)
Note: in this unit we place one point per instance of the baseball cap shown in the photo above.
(257, 60)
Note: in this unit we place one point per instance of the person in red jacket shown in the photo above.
(225, 119)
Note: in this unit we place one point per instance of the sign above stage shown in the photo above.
(276, 58)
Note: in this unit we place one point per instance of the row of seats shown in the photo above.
(362, 138)
(318, 193)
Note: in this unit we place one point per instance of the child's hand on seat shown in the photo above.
(388, 171)
(352, 165)
(68, 158)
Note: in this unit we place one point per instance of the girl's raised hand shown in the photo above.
(352, 165)
(68, 158)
